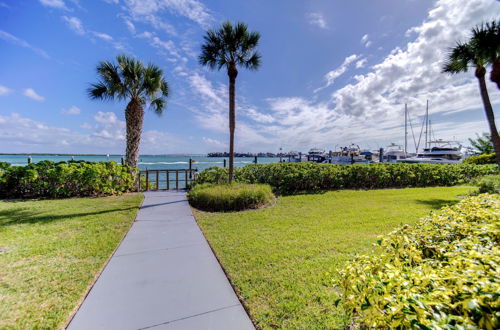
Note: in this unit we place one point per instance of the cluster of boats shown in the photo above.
(435, 152)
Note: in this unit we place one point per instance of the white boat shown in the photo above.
(294, 157)
(394, 153)
(351, 155)
(439, 152)
(317, 155)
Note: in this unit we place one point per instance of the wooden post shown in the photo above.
(224, 162)
(168, 180)
(186, 178)
(255, 160)
(190, 167)
(147, 179)
(139, 182)
(157, 180)
(176, 179)
(381, 155)
(122, 161)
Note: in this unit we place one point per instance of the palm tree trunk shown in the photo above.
(495, 72)
(134, 116)
(232, 73)
(488, 109)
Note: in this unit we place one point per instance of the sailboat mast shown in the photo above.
(426, 124)
(406, 128)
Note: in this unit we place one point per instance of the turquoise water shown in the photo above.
(149, 162)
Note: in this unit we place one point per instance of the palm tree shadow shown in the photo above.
(24, 216)
(437, 203)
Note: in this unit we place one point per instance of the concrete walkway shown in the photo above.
(163, 276)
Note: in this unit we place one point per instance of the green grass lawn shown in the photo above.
(51, 251)
(281, 260)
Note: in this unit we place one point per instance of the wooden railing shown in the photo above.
(165, 179)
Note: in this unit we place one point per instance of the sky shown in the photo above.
(333, 73)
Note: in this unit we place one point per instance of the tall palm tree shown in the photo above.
(130, 80)
(229, 47)
(486, 39)
(459, 60)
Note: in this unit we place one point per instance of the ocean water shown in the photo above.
(149, 162)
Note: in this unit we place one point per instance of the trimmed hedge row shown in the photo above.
(65, 179)
(481, 159)
(440, 274)
(233, 197)
(288, 178)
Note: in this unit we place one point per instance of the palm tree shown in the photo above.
(130, 80)
(231, 46)
(459, 60)
(486, 39)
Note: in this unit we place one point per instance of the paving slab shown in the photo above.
(164, 275)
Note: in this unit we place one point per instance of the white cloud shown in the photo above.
(257, 116)
(59, 4)
(334, 74)
(317, 19)
(361, 63)
(30, 92)
(163, 45)
(364, 40)
(214, 143)
(86, 126)
(413, 73)
(191, 9)
(18, 133)
(103, 36)
(20, 42)
(106, 117)
(75, 24)
(5, 90)
(73, 110)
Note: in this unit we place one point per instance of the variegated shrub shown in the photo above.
(442, 273)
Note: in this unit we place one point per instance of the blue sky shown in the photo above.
(333, 73)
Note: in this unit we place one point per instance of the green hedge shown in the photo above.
(66, 179)
(487, 184)
(288, 178)
(440, 274)
(481, 159)
(230, 197)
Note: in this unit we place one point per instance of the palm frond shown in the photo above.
(158, 105)
(230, 44)
(459, 59)
(99, 91)
(130, 79)
(485, 41)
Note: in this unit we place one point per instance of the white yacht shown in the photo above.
(394, 153)
(316, 155)
(439, 152)
(350, 155)
(294, 157)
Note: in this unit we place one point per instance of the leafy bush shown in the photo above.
(488, 184)
(230, 197)
(440, 274)
(481, 159)
(66, 179)
(4, 166)
(288, 178)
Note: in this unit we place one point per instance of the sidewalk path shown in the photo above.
(163, 276)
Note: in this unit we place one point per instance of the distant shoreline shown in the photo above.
(118, 155)
(104, 155)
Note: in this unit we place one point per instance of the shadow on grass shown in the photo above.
(437, 203)
(23, 216)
